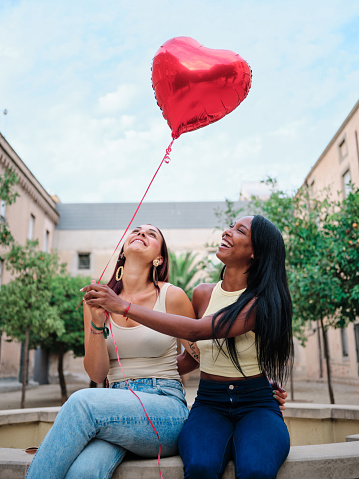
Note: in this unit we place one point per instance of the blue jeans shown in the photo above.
(237, 419)
(95, 428)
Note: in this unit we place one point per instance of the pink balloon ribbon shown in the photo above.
(165, 159)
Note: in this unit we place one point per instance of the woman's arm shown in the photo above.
(174, 325)
(178, 303)
(96, 360)
(186, 363)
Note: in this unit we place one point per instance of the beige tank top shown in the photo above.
(144, 353)
(214, 361)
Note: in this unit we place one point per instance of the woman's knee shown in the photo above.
(81, 397)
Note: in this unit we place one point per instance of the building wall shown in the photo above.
(32, 200)
(101, 244)
(340, 156)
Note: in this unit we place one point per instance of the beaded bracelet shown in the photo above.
(95, 332)
(105, 331)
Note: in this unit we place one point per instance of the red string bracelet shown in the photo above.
(127, 310)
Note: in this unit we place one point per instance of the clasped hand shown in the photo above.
(100, 295)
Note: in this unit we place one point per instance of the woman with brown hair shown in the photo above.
(96, 427)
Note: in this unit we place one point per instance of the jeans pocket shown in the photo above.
(171, 392)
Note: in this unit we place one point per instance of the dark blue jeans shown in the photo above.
(237, 419)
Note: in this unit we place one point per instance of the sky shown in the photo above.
(75, 79)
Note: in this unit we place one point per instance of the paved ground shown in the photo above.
(49, 395)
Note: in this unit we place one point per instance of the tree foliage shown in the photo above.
(322, 242)
(25, 301)
(26, 313)
(65, 298)
(38, 307)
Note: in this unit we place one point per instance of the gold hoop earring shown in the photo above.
(119, 273)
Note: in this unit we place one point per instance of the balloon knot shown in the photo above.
(167, 158)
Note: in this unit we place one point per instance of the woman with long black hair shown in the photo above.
(244, 335)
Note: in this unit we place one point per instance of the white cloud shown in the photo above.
(118, 100)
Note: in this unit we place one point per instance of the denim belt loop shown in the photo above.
(154, 382)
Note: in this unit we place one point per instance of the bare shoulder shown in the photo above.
(201, 296)
(173, 292)
(177, 302)
(203, 290)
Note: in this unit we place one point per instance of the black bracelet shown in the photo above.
(104, 330)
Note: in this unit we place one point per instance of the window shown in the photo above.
(346, 183)
(344, 340)
(342, 149)
(2, 210)
(31, 227)
(84, 261)
(46, 243)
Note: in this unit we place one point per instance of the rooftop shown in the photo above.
(109, 216)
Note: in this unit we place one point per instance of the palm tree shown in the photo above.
(183, 268)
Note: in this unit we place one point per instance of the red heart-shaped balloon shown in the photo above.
(195, 85)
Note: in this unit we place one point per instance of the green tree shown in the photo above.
(26, 313)
(321, 237)
(8, 196)
(342, 230)
(65, 297)
(182, 269)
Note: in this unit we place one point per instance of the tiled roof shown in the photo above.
(107, 216)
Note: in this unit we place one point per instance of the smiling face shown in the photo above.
(236, 246)
(146, 240)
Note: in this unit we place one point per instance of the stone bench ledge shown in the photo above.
(293, 410)
(321, 411)
(324, 461)
(18, 416)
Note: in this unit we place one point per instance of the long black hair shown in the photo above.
(267, 284)
(162, 269)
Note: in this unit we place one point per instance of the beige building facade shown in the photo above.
(32, 216)
(338, 165)
(336, 168)
(87, 234)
